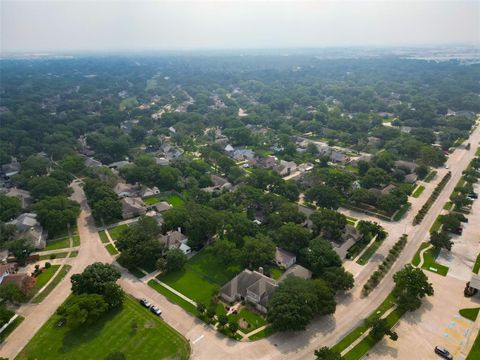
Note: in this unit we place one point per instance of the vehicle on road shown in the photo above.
(146, 303)
(155, 310)
(443, 352)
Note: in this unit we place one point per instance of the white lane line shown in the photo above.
(197, 339)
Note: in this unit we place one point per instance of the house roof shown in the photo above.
(283, 256)
(411, 166)
(298, 271)
(411, 178)
(130, 203)
(162, 206)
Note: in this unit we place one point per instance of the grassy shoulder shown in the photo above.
(474, 353)
(367, 254)
(476, 266)
(430, 176)
(418, 191)
(429, 260)
(59, 243)
(42, 279)
(55, 281)
(12, 326)
(113, 333)
(111, 249)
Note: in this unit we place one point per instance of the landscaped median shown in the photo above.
(418, 191)
(429, 259)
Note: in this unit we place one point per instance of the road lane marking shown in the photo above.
(197, 339)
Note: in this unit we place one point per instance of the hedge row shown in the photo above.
(428, 204)
(385, 266)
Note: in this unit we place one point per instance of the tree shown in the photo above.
(21, 249)
(43, 186)
(257, 251)
(139, 244)
(441, 240)
(10, 207)
(324, 353)
(292, 237)
(233, 326)
(73, 164)
(56, 213)
(297, 301)
(411, 285)
(176, 260)
(107, 209)
(450, 222)
(374, 178)
(225, 251)
(380, 328)
(82, 309)
(11, 293)
(328, 223)
(324, 196)
(94, 279)
(113, 294)
(222, 320)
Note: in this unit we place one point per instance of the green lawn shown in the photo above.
(111, 249)
(367, 343)
(358, 331)
(103, 237)
(418, 191)
(476, 266)
(470, 314)
(351, 220)
(44, 277)
(76, 240)
(430, 176)
(367, 254)
(429, 260)
(9, 329)
(116, 231)
(113, 333)
(73, 253)
(56, 280)
(474, 353)
(54, 256)
(448, 205)
(151, 200)
(175, 200)
(401, 213)
(254, 319)
(210, 268)
(185, 305)
(436, 225)
(276, 272)
(262, 334)
(58, 243)
(190, 284)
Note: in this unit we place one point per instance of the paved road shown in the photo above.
(208, 344)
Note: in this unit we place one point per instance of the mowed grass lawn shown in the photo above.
(59, 243)
(202, 277)
(116, 231)
(153, 338)
(44, 277)
(175, 200)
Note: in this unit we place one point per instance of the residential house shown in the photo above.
(22, 281)
(123, 190)
(176, 240)
(90, 162)
(28, 227)
(305, 167)
(171, 152)
(250, 286)
(162, 161)
(229, 148)
(373, 141)
(267, 162)
(243, 154)
(296, 270)
(338, 157)
(162, 206)
(119, 164)
(409, 166)
(22, 195)
(285, 168)
(284, 258)
(11, 169)
(132, 206)
(411, 178)
(7, 269)
(146, 191)
(384, 191)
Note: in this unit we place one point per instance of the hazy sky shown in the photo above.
(136, 25)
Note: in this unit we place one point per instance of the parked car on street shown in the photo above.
(145, 303)
(155, 310)
(443, 352)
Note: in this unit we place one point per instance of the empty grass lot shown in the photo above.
(191, 285)
(113, 333)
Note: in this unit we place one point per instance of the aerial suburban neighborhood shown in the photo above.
(317, 203)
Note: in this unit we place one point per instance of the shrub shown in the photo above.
(48, 265)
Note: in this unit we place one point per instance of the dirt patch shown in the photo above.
(243, 323)
(149, 324)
